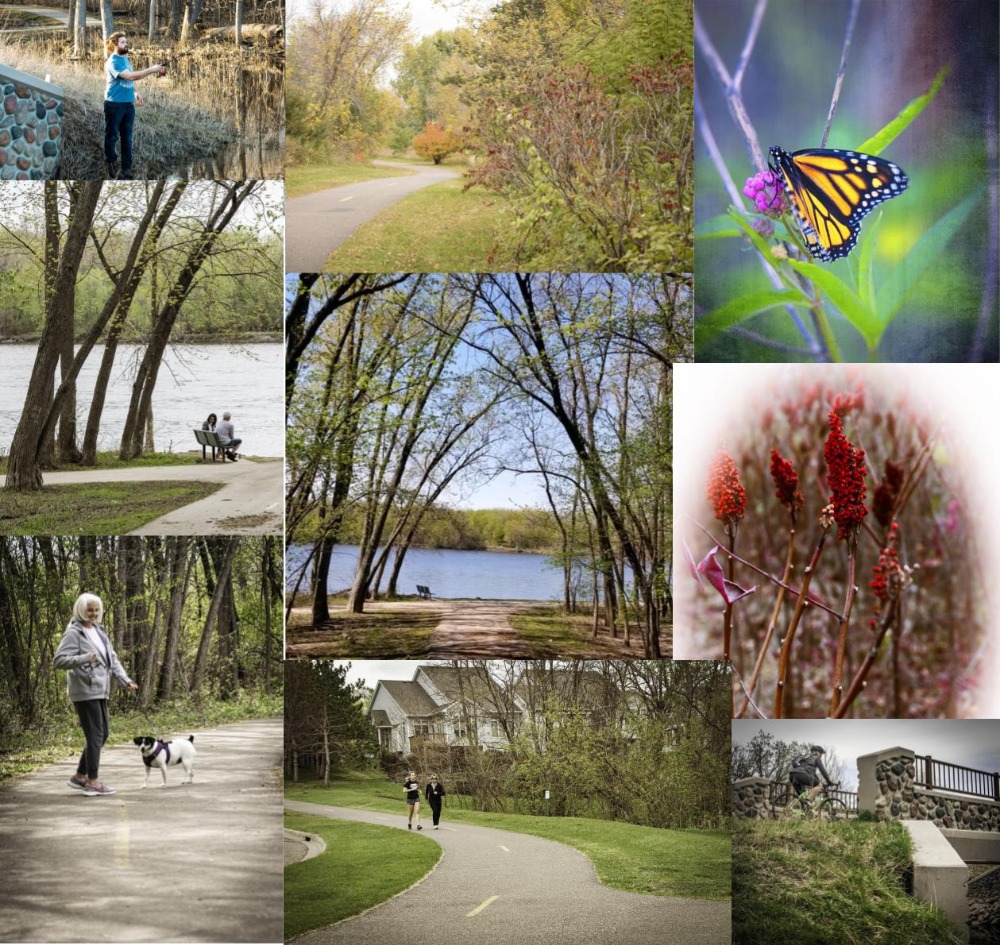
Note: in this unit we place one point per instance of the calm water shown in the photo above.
(486, 574)
(193, 381)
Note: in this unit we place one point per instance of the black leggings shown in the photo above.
(436, 809)
(93, 715)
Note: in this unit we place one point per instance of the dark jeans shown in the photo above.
(93, 715)
(118, 120)
(233, 445)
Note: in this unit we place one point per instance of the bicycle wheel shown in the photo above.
(799, 808)
(831, 808)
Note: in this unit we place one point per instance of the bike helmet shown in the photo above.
(818, 749)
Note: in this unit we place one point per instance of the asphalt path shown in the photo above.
(316, 224)
(194, 862)
(61, 15)
(501, 888)
(250, 501)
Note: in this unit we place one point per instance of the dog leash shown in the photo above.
(149, 721)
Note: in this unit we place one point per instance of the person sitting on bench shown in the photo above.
(226, 432)
(210, 423)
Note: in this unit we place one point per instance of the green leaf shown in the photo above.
(718, 226)
(844, 298)
(882, 139)
(740, 309)
(922, 259)
(866, 260)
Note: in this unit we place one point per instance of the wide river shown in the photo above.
(193, 381)
(490, 575)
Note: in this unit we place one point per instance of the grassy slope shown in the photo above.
(365, 865)
(382, 635)
(692, 863)
(828, 884)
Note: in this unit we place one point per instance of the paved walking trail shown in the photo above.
(250, 501)
(503, 888)
(316, 224)
(186, 863)
(61, 15)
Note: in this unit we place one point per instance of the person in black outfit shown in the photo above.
(434, 792)
(412, 787)
(805, 773)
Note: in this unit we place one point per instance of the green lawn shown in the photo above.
(690, 863)
(828, 884)
(438, 229)
(363, 863)
(95, 508)
(305, 179)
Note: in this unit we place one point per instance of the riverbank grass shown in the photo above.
(441, 228)
(171, 132)
(374, 635)
(552, 633)
(95, 508)
(811, 881)
(690, 863)
(302, 179)
(110, 460)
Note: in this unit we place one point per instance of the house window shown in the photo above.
(421, 727)
(495, 729)
(385, 737)
(461, 729)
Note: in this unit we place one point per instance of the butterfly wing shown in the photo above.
(831, 190)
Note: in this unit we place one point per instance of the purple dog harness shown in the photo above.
(160, 746)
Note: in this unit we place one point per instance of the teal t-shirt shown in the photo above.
(116, 89)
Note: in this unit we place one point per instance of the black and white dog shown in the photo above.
(161, 754)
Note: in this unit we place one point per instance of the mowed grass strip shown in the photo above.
(363, 865)
(691, 863)
(808, 881)
(95, 508)
(305, 179)
(438, 229)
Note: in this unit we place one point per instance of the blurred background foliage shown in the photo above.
(898, 48)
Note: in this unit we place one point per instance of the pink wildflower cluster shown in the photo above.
(767, 193)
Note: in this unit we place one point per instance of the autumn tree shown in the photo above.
(435, 143)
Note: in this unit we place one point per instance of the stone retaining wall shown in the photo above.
(984, 907)
(886, 787)
(30, 126)
(751, 798)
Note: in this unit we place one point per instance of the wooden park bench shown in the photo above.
(209, 438)
(424, 592)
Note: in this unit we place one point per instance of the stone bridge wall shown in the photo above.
(886, 787)
(31, 112)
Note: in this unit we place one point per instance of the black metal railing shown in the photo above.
(937, 775)
(781, 794)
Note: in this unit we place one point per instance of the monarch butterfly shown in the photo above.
(831, 191)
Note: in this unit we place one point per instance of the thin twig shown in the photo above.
(858, 683)
(852, 590)
(767, 575)
(749, 699)
(786, 644)
(715, 154)
(851, 20)
(775, 613)
(752, 33)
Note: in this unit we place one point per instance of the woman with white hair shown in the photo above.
(87, 653)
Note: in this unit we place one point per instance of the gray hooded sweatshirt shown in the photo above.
(87, 680)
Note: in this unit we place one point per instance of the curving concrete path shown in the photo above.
(61, 15)
(316, 224)
(250, 502)
(480, 629)
(513, 889)
(194, 862)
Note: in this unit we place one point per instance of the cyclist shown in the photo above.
(805, 773)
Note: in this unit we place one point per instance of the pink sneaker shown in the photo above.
(93, 790)
(79, 783)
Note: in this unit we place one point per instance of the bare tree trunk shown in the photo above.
(24, 471)
(151, 32)
(239, 22)
(107, 19)
(80, 37)
(222, 579)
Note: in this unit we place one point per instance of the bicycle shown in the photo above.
(823, 807)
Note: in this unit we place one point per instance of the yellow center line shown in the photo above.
(480, 908)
